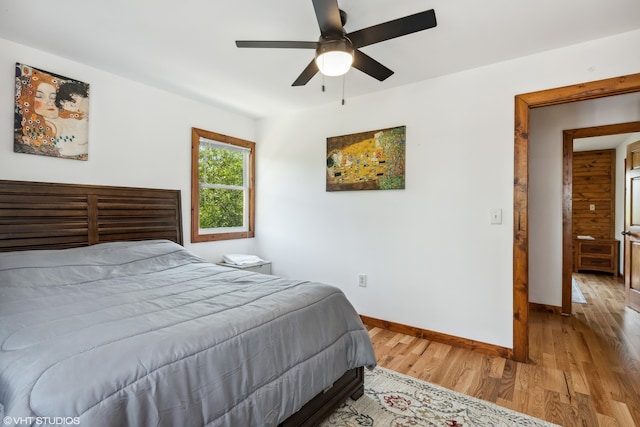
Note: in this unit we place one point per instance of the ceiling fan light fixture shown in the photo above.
(334, 57)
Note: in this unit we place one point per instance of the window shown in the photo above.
(222, 187)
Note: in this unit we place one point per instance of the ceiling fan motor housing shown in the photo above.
(331, 43)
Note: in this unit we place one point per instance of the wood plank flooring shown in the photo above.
(583, 370)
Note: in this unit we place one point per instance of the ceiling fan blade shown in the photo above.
(368, 65)
(277, 44)
(328, 15)
(392, 29)
(307, 74)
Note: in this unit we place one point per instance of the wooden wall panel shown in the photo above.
(594, 186)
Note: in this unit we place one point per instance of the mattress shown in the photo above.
(148, 334)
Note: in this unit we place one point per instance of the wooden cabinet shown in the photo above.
(596, 255)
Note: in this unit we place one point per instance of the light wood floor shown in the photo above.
(584, 370)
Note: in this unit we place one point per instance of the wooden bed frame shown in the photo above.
(41, 215)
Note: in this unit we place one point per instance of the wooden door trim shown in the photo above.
(524, 103)
(567, 219)
(567, 191)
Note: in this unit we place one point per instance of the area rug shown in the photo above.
(576, 293)
(395, 400)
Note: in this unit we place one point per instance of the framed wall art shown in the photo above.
(371, 160)
(51, 114)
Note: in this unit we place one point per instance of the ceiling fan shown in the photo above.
(337, 51)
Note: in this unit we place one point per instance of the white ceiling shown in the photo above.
(602, 142)
(187, 46)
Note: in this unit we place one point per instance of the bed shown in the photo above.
(106, 320)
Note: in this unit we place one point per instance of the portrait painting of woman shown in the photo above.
(51, 114)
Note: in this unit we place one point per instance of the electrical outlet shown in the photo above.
(362, 280)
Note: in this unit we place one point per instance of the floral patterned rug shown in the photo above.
(395, 400)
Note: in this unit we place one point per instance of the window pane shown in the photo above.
(220, 166)
(221, 208)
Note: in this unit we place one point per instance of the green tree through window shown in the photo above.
(220, 206)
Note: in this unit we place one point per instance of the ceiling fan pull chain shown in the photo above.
(343, 80)
(322, 81)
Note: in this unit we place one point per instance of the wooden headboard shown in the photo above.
(42, 215)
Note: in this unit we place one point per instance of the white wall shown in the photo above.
(432, 258)
(138, 136)
(545, 175)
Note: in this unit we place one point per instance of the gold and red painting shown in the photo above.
(371, 160)
(51, 114)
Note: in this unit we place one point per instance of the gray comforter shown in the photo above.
(148, 334)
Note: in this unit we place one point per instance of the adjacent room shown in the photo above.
(205, 220)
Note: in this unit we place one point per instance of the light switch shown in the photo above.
(496, 216)
(592, 207)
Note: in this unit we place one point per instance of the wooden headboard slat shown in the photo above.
(149, 213)
(34, 233)
(49, 242)
(137, 230)
(130, 236)
(38, 215)
(43, 213)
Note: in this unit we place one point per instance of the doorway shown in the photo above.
(523, 104)
(568, 137)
